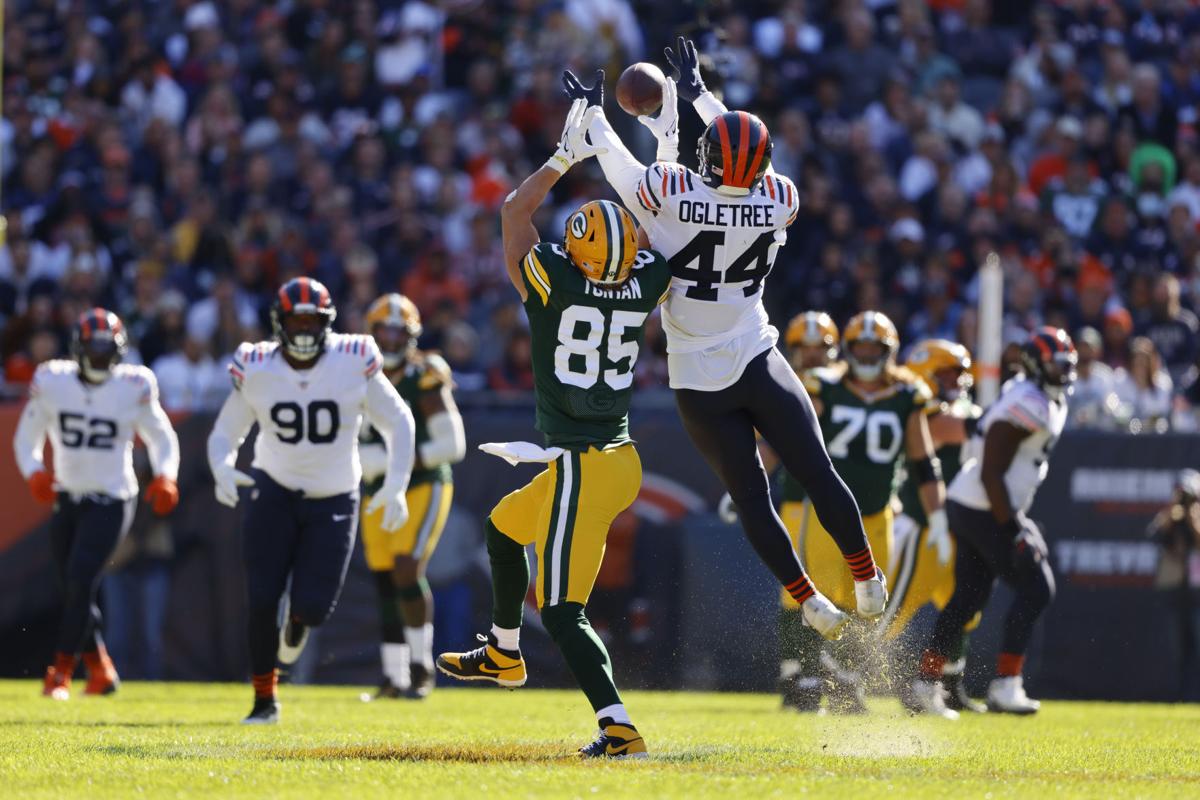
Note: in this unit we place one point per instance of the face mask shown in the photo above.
(303, 346)
(866, 372)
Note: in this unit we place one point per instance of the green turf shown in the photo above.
(158, 740)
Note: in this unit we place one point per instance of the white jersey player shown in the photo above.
(986, 508)
(90, 408)
(721, 227)
(309, 391)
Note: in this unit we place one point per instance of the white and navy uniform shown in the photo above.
(729, 377)
(986, 550)
(1028, 407)
(91, 428)
(302, 512)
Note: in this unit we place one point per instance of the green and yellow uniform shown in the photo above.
(585, 342)
(430, 490)
(865, 437)
(917, 577)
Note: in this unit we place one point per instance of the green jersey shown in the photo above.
(951, 457)
(865, 434)
(585, 342)
(423, 374)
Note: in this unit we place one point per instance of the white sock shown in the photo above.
(507, 638)
(789, 667)
(421, 641)
(395, 664)
(616, 712)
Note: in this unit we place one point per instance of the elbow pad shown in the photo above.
(927, 470)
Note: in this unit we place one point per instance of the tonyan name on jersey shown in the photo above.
(423, 373)
(91, 428)
(720, 249)
(585, 342)
(865, 433)
(309, 420)
(1023, 404)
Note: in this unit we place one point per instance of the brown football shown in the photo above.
(640, 88)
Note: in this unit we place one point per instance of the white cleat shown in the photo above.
(1007, 696)
(928, 697)
(871, 596)
(824, 617)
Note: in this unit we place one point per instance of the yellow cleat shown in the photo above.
(617, 741)
(486, 663)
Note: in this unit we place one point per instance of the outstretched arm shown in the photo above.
(516, 216)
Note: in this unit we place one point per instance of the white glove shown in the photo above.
(573, 146)
(665, 126)
(939, 536)
(726, 510)
(394, 505)
(226, 482)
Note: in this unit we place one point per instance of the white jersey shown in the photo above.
(309, 420)
(721, 248)
(91, 429)
(1024, 404)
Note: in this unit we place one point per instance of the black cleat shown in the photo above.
(423, 681)
(957, 697)
(386, 691)
(801, 694)
(265, 712)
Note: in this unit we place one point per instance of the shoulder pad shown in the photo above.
(650, 189)
(249, 357)
(361, 347)
(914, 383)
(817, 377)
(434, 373)
(781, 189)
(539, 267)
(141, 377)
(50, 370)
(1027, 407)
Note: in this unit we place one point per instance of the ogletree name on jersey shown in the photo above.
(629, 290)
(750, 215)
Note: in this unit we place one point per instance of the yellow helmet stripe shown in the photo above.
(610, 225)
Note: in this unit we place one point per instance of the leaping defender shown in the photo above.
(720, 229)
(309, 391)
(90, 407)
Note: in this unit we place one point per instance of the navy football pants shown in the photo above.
(83, 534)
(985, 553)
(285, 533)
(769, 398)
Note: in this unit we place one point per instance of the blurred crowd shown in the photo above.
(175, 160)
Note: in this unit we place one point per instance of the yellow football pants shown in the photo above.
(428, 507)
(823, 561)
(917, 578)
(566, 510)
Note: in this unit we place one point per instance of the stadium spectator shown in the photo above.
(1173, 329)
(1090, 403)
(1144, 388)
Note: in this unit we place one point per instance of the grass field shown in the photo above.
(158, 740)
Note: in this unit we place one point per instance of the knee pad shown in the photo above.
(563, 618)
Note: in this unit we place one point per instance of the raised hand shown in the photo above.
(573, 145)
(685, 62)
(594, 94)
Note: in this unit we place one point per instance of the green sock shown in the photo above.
(584, 652)
(510, 577)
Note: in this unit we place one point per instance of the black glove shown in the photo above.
(686, 66)
(576, 90)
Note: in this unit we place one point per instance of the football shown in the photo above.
(640, 87)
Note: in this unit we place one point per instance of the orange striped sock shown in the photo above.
(64, 665)
(862, 564)
(265, 684)
(932, 665)
(1009, 665)
(800, 589)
